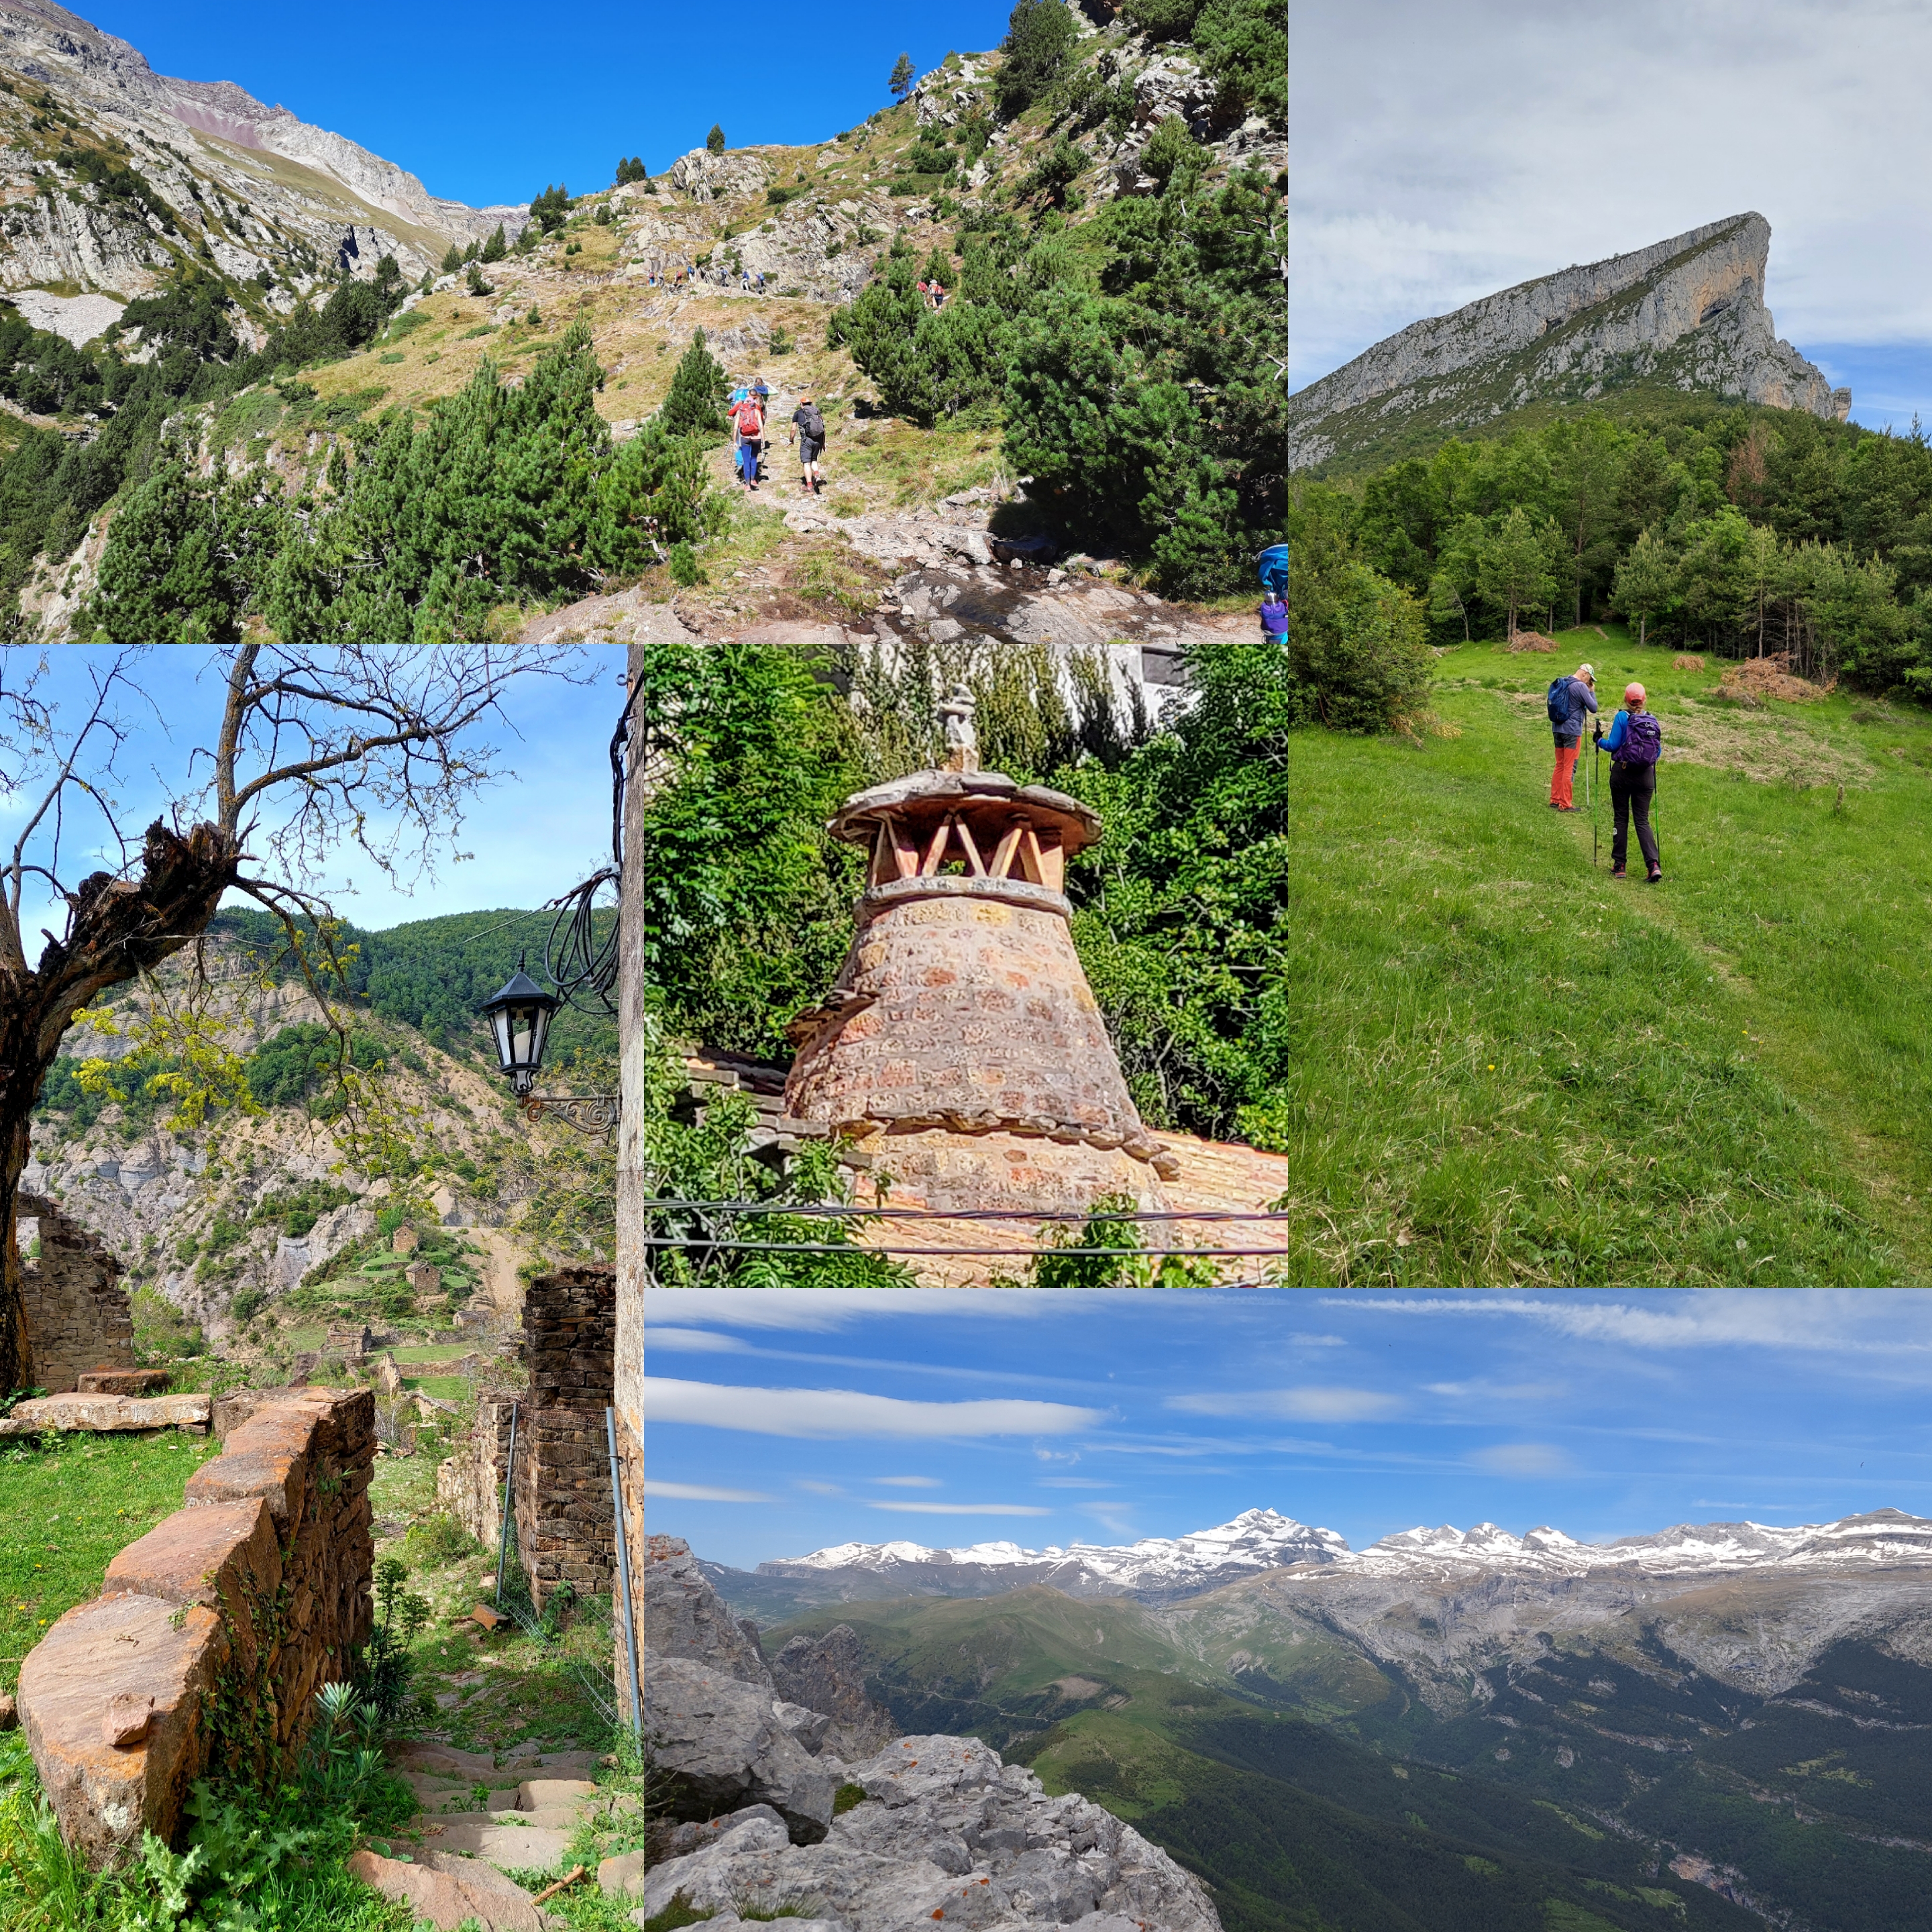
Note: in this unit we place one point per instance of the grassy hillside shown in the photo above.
(1509, 1067)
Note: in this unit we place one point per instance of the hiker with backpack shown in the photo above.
(1635, 741)
(748, 420)
(808, 430)
(1571, 699)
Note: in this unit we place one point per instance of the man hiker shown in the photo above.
(749, 422)
(1570, 699)
(1635, 741)
(808, 431)
(763, 395)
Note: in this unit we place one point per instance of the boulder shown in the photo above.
(705, 176)
(106, 1413)
(827, 1674)
(684, 1616)
(951, 1835)
(808, 1727)
(721, 1745)
(450, 1891)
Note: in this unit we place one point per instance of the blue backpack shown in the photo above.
(1643, 740)
(1559, 703)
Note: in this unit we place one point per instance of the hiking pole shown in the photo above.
(1596, 761)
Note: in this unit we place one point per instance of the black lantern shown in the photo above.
(519, 1018)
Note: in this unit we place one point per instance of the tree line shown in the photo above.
(1736, 530)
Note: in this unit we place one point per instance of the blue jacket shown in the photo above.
(1582, 699)
(1614, 736)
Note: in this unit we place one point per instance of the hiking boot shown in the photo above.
(1569, 808)
(1618, 872)
(1655, 877)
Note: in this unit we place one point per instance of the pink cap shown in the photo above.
(1634, 693)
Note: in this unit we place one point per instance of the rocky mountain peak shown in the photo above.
(1687, 313)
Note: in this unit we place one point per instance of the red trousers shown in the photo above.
(1559, 779)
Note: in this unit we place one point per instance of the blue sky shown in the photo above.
(804, 1420)
(488, 103)
(543, 827)
(1442, 153)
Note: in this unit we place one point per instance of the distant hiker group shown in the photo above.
(1635, 741)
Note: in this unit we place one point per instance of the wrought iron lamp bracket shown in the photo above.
(588, 1113)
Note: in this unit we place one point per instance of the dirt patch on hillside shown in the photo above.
(1770, 749)
(1757, 680)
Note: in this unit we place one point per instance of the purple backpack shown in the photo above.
(1643, 740)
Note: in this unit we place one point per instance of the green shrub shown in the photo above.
(846, 1797)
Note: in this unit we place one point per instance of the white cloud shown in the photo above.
(1301, 1341)
(847, 1412)
(1523, 1458)
(697, 1493)
(824, 1311)
(1846, 1322)
(1443, 153)
(1316, 1404)
(691, 1341)
(1480, 1391)
(817, 1489)
(961, 1509)
(910, 1482)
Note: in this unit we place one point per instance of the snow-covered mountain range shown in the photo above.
(1263, 1540)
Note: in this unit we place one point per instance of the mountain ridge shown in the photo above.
(1686, 313)
(1260, 1539)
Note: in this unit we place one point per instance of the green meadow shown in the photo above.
(1512, 1069)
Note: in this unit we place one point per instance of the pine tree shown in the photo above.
(695, 405)
(1040, 34)
(714, 142)
(452, 260)
(470, 253)
(496, 248)
(164, 578)
(904, 74)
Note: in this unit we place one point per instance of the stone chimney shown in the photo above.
(961, 1048)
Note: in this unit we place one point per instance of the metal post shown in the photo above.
(509, 1479)
(624, 1572)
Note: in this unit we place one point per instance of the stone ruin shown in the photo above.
(78, 1320)
(961, 1048)
(212, 1633)
(561, 1492)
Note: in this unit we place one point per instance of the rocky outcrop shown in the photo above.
(681, 1615)
(247, 1599)
(947, 1832)
(720, 1744)
(826, 1676)
(1688, 313)
(705, 176)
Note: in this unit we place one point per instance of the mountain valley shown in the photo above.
(1719, 1724)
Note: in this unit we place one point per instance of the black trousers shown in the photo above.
(1632, 788)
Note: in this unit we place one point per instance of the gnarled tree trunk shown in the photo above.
(120, 927)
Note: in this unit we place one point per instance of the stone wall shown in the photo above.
(77, 1319)
(561, 1487)
(212, 1633)
(469, 1484)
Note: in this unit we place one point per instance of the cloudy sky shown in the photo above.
(543, 825)
(1444, 152)
(781, 1423)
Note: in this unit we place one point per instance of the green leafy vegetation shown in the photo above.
(1745, 532)
(506, 494)
(1152, 337)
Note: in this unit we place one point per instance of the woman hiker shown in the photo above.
(1635, 741)
(1571, 699)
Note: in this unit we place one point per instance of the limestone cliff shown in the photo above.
(1688, 313)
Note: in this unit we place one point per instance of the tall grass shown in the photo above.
(1510, 1068)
